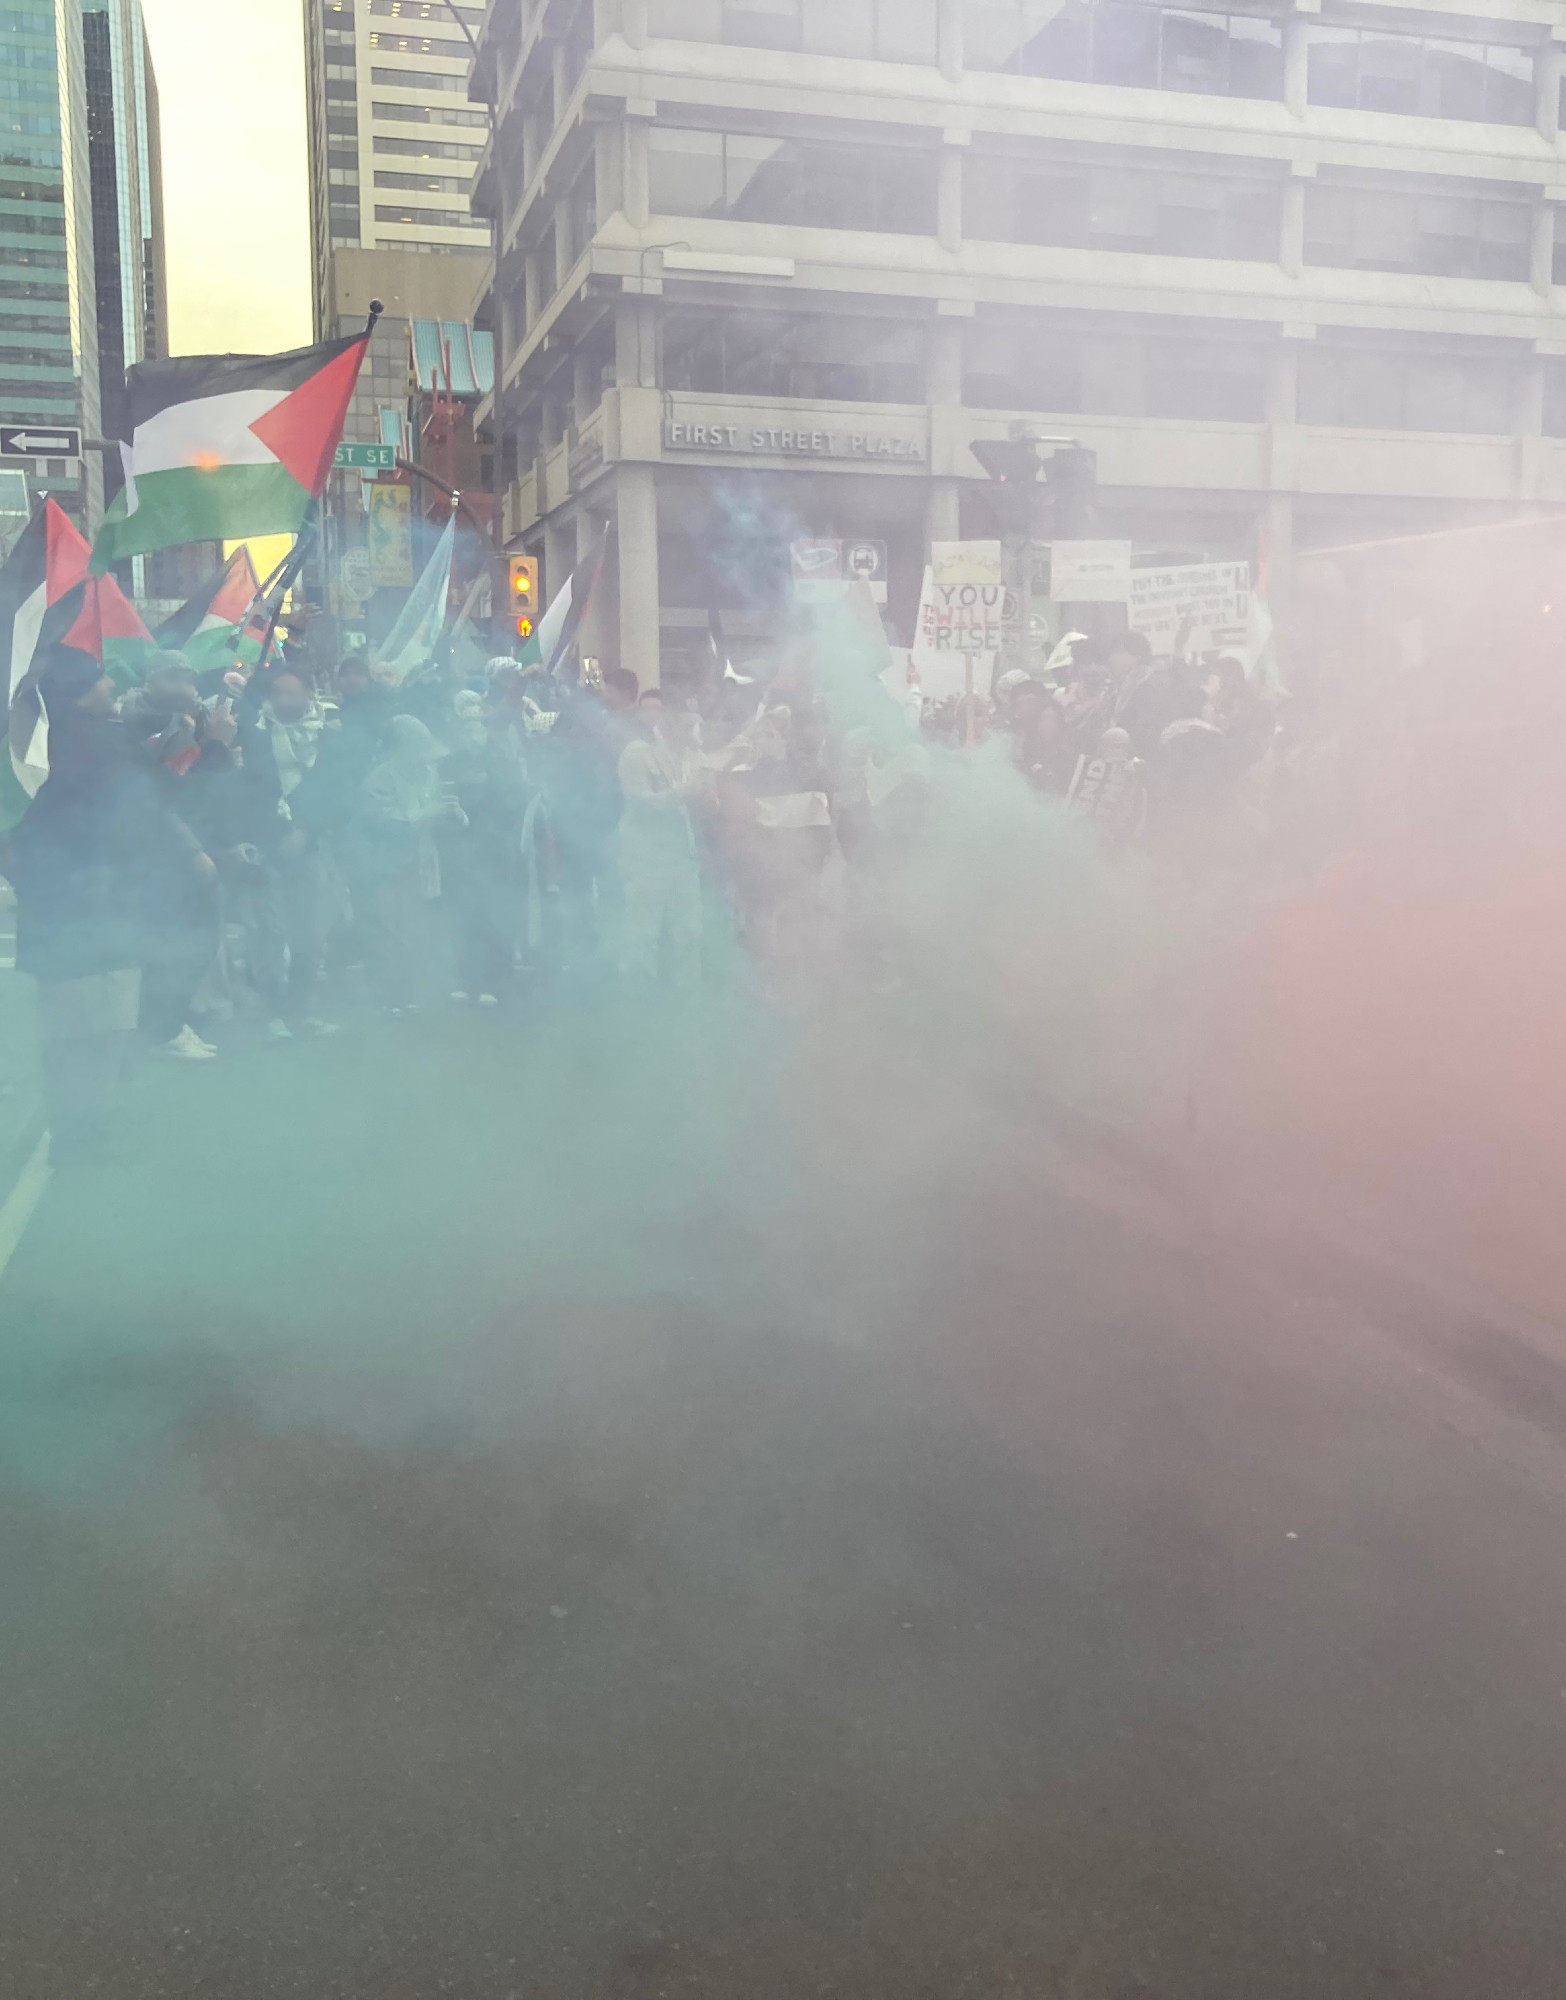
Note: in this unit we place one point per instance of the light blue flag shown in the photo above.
(413, 639)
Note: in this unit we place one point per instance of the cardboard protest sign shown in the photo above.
(1212, 600)
(1089, 572)
(963, 612)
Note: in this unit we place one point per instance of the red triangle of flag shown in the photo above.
(106, 613)
(304, 429)
(68, 553)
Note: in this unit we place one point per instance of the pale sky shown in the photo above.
(231, 78)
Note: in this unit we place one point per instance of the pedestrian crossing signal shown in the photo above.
(524, 628)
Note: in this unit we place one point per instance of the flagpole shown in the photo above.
(287, 572)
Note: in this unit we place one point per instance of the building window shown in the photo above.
(1068, 205)
(582, 213)
(811, 185)
(1426, 76)
(873, 30)
(1437, 235)
(419, 79)
(816, 357)
(1385, 389)
(421, 45)
(426, 114)
(426, 149)
(431, 218)
(1128, 42)
(423, 183)
(1555, 398)
(425, 10)
(1114, 371)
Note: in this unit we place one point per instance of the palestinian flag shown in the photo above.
(227, 445)
(42, 588)
(550, 645)
(110, 628)
(223, 623)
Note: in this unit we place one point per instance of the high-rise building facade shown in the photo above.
(125, 152)
(1296, 269)
(48, 333)
(393, 144)
(394, 141)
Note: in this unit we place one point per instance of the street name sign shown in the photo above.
(366, 457)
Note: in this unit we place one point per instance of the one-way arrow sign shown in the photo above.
(39, 441)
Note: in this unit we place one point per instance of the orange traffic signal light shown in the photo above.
(523, 571)
(524, 628)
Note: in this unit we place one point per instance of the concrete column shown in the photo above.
(1291, 234)
(1283, 384)
(1541, 248)
(943, 513)
(593, 633)
(1296, 63)
(559, 555)
(635, 345)
(1275, 553)
(948, 194)
(633, 22)
(637, 494)
(585, 387)
(1548, 67)
(560, 83)
(608, 171)
(950, 33)
(637, 204)
(565, 250)
(946, 355)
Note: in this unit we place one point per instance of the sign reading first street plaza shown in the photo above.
(40, 441)
(793, 441)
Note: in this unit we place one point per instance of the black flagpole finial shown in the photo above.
(376, 309)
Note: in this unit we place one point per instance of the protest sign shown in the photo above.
(1089, 572)
(966, 562)
(1211, 601)
(961, 630)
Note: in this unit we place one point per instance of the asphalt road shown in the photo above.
(504, 1508)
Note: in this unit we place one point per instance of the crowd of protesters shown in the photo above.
(276, 849)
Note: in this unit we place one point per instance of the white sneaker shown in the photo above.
(187, 1046)
(199, 1039)
(279, 1031)
(459, 997)
(314, 1025)
(489, 1000)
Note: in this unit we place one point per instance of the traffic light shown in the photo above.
(1013, 467)
(522, 578)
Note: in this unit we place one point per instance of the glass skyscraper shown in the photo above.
(49, 371)
(124, 150)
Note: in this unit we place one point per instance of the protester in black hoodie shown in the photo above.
(80, 862)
